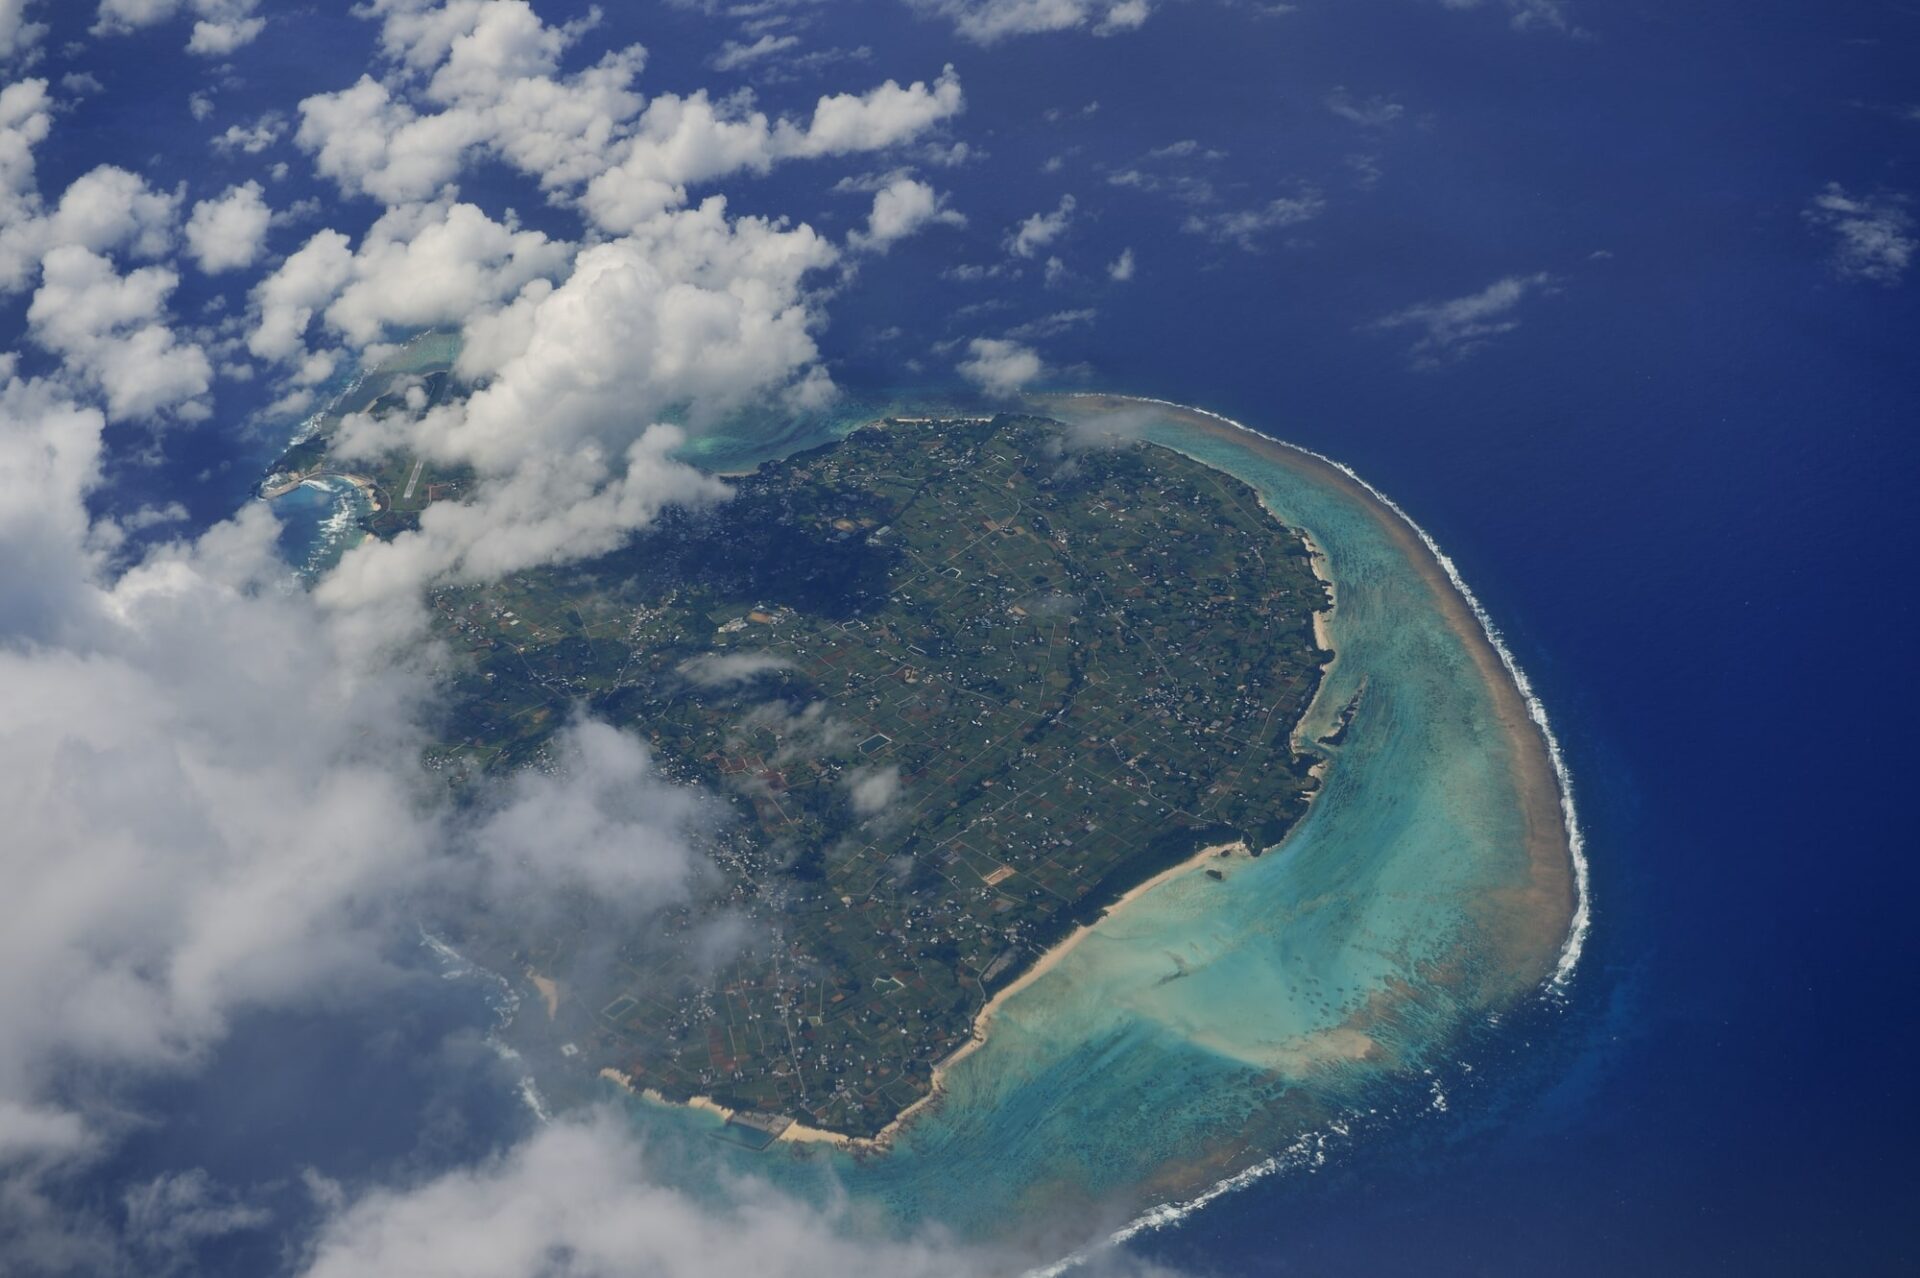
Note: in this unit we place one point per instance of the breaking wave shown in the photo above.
(1576, 939)
(1311, 1150)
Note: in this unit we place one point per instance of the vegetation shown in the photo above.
(962, 684)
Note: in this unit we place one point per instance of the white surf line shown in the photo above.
(310, 427)
(1576, 841)
(457, 966)
(1311, 1149)
(413, 479)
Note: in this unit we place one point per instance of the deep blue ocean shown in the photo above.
(1683, 487)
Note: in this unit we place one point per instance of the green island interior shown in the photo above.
(964, 682)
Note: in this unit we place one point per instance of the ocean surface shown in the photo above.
(1683, 488)
(1105, 1050)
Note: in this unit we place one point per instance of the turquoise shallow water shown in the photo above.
(1211, 1025)
(320, 522)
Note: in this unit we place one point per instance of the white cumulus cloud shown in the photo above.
(902, 208)
(215, 804)
(104, 210)
(221, 26)
(687, 141)
(112, 332)
(598, 821)
(228, 234)
(1001, 367)
(17, 35)
(419, 265)
(252, 139)
(873, 790)
(486, 78)
(583, 1189)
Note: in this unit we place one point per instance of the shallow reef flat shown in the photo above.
(1221, 1024)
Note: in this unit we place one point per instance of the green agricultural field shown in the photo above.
(962, 684)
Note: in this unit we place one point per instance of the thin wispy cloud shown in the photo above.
(1529, 15)
(1053, 325)
(1249, 228)
(1873, 236)
(1373, 113)
(735, 54)
(990, 21)
(1450, 331)
(1178, 169)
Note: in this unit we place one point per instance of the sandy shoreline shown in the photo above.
(799, 1133)
(1322, 635)
(549, 990)
(1553, 903)
(983, 1019)
(367, 487)
(793, 1131)
(1550, 910)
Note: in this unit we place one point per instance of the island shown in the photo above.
(1041, 787)
(393, 489)
(963, 685)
